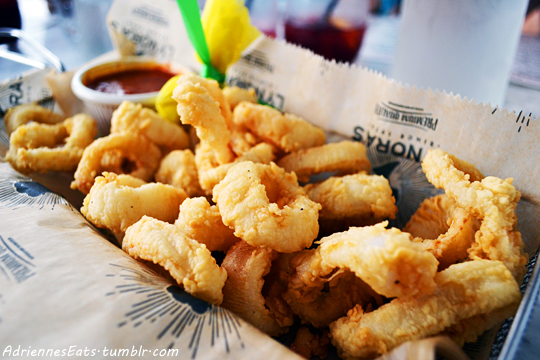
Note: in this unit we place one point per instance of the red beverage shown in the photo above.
(327, 40)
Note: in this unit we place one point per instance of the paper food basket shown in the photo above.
(67, 291)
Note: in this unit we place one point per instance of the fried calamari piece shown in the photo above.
(287, 132)
(122, 153)
(352, 200)
(235, 95)
(211, 173)
(25, 113)
(320, 298)
(198, 108)
(307, 344)
(201, 221)
(134, 118)
(266, 207)
(462, 291)
(444, 229)
(116, 202)
(214, 90)
(385, 259)
(345, 157)
(490, 199)
(246, 267)
(178, 169)
(36, 147)
(190, 263)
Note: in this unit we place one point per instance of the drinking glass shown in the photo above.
(333, 29)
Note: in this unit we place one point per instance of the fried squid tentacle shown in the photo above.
(490, 199)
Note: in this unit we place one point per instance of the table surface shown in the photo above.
(69, 41)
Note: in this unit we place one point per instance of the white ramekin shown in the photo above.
(101, 105)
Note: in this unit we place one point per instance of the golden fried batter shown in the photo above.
(190, 263)
(462, 291)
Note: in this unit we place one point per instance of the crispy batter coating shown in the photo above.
(235, 95)
(25, 113)
(352, 200)
(190, 263)
(490, 199)
(345, 157)
(178, 169)
(122, 153)
(211, 173)
(287, 132)
(320, 295)
(246, 266)
(266, 207)
(198, 108)
(385, 259)
(307, 344)
(134, 118)
(463, 291)
(202, 222)
(444, 229)
(116, 202)
(36, 147)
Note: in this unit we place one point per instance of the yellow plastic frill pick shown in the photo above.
(228, 31)
(219, 37)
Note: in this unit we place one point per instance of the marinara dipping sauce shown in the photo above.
(136, 81)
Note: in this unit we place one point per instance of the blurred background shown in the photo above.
(363, 32)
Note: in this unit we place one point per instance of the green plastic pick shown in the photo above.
(192, 20)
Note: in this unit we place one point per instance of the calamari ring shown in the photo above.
(385, 259)
(242, 294)
(211, 173)
(178, 168)
(122, 153)
(345, 157)
(287, 132)
(202, 222)
(235, 95)
(462, 291)
(36, 147)
(198, 108)
(116, 202)
(190, 263)
(490, 199)
(266, 207)
(132, 117)
(319, 300)
(23, 114)
(444, 229)
(352, 200)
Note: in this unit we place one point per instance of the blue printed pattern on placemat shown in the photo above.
(20, 191)
(16, 263)
(155, 298)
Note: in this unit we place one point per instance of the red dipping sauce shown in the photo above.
(131, 81)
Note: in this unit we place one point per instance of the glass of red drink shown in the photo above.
(333, 29)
